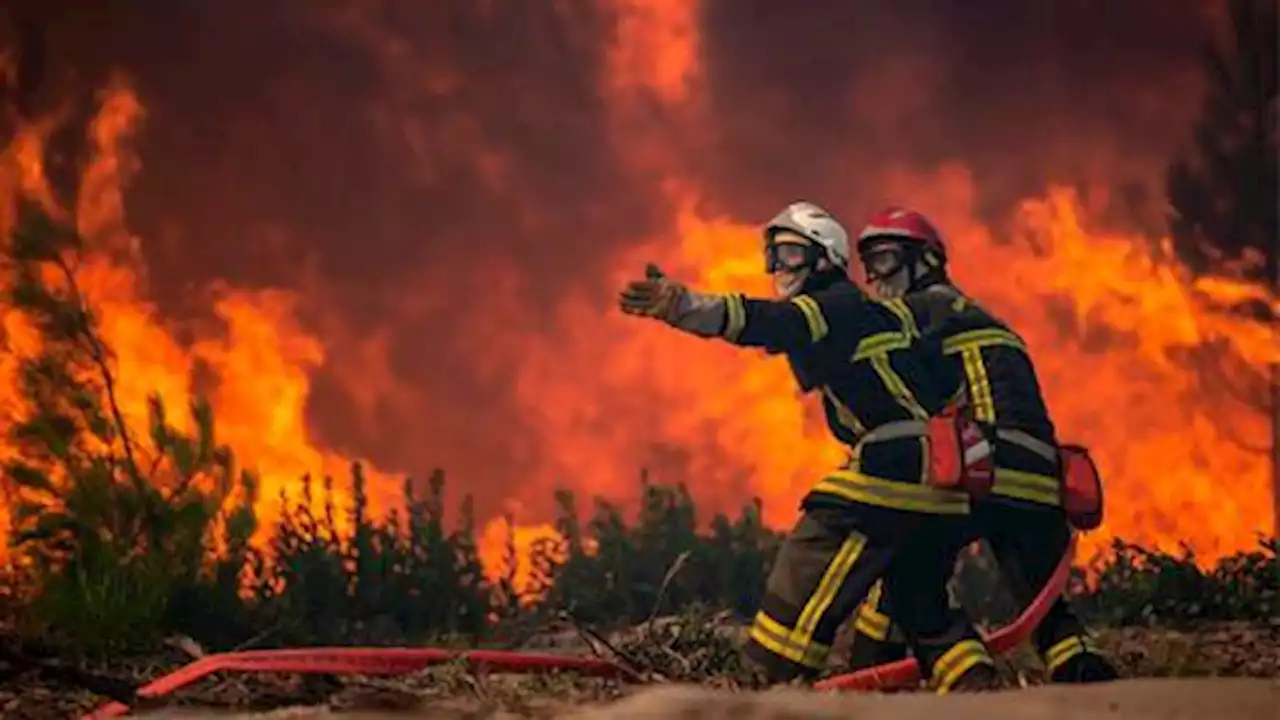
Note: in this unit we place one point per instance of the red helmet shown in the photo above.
(904, 225)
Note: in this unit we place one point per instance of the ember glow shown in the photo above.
(1157, 372)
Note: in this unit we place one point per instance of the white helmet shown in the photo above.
(817, 225)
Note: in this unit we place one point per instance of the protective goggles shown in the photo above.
(784, 251)
(883, 259)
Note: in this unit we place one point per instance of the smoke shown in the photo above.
(437, 179)
(823, 95)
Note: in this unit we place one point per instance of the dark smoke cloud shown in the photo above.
(1021, 92)
(394, 158)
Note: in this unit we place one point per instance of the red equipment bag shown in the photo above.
(960, 453)
(1081, 487)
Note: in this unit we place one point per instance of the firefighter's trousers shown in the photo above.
(1028, 541)
(827, 566)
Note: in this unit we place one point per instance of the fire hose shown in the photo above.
(404, 661)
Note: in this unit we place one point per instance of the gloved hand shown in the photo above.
(655, 296)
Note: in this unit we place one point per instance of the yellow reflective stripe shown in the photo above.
(818, 327)
(857, 487)
(969, 345)
(876, 349)
(844, 415)
(985, 337)
(905, 316)
(873, 597)
(798, 645)
(735, 310)
(832, 580)
(776, 638)
(979, 385)
(1032, 487)
(869, 620)
(897, 387)
(955, 662)
(879, 344)
(1066, 649)
(876, 628)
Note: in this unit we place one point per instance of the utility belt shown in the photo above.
(961, 458)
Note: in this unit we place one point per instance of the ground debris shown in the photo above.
(1226, 649)
(695, 648)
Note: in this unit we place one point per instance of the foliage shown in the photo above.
(662, 562)
(109, 526)
(383, 583)
(410, 580)
(1136, 586)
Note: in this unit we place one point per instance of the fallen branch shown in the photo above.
(591, 638)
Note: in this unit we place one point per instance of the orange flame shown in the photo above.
(1114, 334)
(1125, 342)
(261, 359)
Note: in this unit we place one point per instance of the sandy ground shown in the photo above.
(1198, 699)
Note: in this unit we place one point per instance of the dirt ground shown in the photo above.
(1151, 699)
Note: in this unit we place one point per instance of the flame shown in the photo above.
(261, 360)
(507, 551)
(1137, 358)
(1124, 345)
(1127, 344)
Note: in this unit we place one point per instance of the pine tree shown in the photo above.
(113, 523)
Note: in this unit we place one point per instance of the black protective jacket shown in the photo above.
(988, 364)
(872, 372)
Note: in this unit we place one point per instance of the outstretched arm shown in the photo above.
(775, 325)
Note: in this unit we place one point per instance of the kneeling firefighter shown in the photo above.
(879, 511)
(1027, 515)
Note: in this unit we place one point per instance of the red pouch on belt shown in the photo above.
(960, 454)
(1081, 487)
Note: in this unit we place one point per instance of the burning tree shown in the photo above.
(111, 528)
(1223, 194)
(113, 522)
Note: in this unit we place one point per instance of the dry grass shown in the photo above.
(674, 652)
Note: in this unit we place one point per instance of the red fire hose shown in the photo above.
(403, 661)
(361, 661)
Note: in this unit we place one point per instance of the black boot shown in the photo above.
(979, 678)
(1085, 667)
(868, 652)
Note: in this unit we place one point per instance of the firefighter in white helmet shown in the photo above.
(882, 510)
(1040, 488)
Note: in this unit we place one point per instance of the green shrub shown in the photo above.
(1135, 586)
(662, 563)
(108, 525)
(382, 584)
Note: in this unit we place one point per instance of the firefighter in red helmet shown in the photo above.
(877, 513)
(1022, 517)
